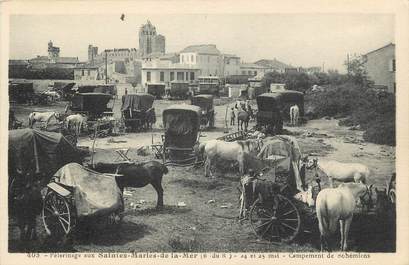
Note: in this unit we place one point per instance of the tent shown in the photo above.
(33, 151)
(284, 154)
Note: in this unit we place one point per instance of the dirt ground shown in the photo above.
(208, 221)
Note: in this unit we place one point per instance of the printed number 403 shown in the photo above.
(33, 255)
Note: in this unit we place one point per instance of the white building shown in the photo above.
(163, 72)
(231, 65)
(207, 58)
(253, 69)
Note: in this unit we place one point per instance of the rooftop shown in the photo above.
(272, 63)
(66, 60)
(202, 49)
(383, 47)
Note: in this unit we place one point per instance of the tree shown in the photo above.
(356, 71)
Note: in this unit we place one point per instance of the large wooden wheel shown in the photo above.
(56, 215)
(278, 221)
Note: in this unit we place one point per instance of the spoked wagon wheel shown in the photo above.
(56, 215)
(392, 196)
(279, 221)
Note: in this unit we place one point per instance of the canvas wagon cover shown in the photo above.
(39, 151)
(203, 101)
(182, 124)
(285, 155)
(94, 193)
(93, 102)
(136, 102)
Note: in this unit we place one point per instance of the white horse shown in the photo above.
(46, 117)
(229, 151)
(294, 115)
(338, 204)
(343, 172)
(76, 121)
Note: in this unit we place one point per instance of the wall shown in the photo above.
(379, 68)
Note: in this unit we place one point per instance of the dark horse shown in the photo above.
(137, 175)
(243, 117)
(150, 118)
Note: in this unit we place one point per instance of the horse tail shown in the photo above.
(324, 223)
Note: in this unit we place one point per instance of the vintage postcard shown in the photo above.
(204, 131)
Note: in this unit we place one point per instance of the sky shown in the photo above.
(296, 39)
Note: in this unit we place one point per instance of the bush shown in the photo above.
(374, 112)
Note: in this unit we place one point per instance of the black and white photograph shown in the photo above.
(214, 132)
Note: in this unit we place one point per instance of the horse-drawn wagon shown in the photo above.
(268, 200)
(178, 90)
(274, 107)
(94, 106)
(182, 132)
(205, 102)
(76, 194)
(156, 90)
(137, 111)
(33, 157)
(209, 85)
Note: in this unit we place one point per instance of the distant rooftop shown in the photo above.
(202, 49)
(272, 63)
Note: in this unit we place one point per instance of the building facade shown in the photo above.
(231, 65)
(53, 52)
(252, 69)
(207, 58)
(150, 41)
(86, 72)
(164, 72)
(92, 54)
(380, 66)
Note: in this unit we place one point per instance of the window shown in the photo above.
(162, 76)
(83, 72)
(255, 72)
(180, 76)
(192, 75)
(187, 76)
(392, 65)
(181, 58)
(394, 87)
(172, 76)
(89, 72)
(249, 72)
(243, 72)
(191, 58)
(148, 76)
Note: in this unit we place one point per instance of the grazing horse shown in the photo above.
(150, 118)
(137, 175)
(231, 151)
(76, 122)
(343, 172)
(338, 204)
(294, 115)
(46, 117)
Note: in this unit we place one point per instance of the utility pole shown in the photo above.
(323, 67)
(348, 63)
(106, 67)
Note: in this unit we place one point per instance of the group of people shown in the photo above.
(240, 106)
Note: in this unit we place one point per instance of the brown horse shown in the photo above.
(137, 175)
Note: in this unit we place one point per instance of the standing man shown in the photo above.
(232, 116)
